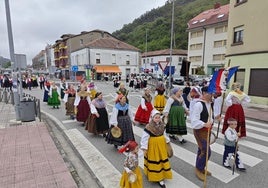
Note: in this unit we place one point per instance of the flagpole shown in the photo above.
(223, 97)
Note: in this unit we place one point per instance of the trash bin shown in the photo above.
(27, 110)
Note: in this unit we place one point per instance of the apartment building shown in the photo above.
(207, 36)
(247, 47)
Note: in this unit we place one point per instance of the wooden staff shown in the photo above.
(218, 129)
(206, 167)
(236, 148)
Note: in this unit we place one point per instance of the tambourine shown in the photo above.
(212, 138)
(132, 178)
(116, 132)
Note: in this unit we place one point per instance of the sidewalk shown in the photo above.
(28, 155)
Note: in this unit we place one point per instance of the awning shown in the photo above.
(107, 69)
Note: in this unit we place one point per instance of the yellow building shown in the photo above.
(247, 47)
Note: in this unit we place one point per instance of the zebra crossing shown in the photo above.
(219, 174)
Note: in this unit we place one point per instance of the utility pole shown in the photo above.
(12, 58)
(145, 50)
(171, 45)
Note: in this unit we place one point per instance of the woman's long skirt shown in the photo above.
(156, 162)
(125, 124)
(176, 121)
(235, 111)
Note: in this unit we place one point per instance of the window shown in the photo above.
(239, 2)
(195, 58)
(127, 60)
(197, 34)
(81, 42)
(219, 43)
(113, 59)
(221, 29)
(196, 46)
(238, 35)
(97, 58)
(218, 57)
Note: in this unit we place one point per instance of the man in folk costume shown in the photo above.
(63, 87)
(41, 81)
(29, 82)
(201, 121)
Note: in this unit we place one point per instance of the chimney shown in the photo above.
(217, 5)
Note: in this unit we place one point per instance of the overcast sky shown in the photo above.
(36, 23)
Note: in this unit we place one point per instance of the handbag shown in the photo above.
(169, 150)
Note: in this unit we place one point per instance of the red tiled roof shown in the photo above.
(209, 17)
(164, 52)
(111, 43)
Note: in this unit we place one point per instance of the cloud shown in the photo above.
(36, 23)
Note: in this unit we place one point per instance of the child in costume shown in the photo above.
(230, 146)
(132, 176)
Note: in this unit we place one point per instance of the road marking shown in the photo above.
(218, 171)
(105, 172)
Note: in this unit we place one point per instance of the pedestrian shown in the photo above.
(82, 103)
(41, 80)
(143, 112)
(235, 101)
(46, 90)
(160, 99)
(201, 121)
(153, 143)
(186, 90)
(230, 146)
(131, 176)
(97, 122)
(122, 118)
(69, 98)
(63, 87)
(29, 82)
(176, 111)
(54, 96)
(122, 90)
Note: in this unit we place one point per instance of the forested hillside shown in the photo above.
(157, 22)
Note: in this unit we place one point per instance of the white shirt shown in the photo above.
(196, 123)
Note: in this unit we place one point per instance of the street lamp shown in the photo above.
(171, 45)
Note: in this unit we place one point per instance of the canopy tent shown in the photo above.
(107, 69)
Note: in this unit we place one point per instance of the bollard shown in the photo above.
(12, 98)
(5, 95)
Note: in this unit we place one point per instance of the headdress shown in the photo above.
(97, 94)
(154, 112)
(175, 90)
(236, 85)
(129, 146)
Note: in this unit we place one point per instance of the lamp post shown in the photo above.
(145, 50)
(171, 45)
(12, 58)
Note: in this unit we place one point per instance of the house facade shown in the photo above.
(155, 61)
(207, 36)
(247, 47)
(107, 56)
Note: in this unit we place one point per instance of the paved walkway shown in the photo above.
(28, 155)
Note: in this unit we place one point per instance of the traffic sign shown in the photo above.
(162, 64)
(74, 68)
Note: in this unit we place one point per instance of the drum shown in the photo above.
(116, 132)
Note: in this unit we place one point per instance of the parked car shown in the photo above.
(178, 80)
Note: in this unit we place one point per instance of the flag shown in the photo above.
(220, 79)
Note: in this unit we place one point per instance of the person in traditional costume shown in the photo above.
(160, 100)
(176, 112)
(92, 89)
(82, 104)
(121, 117)
(54, 96)
(63, 87)
(34, 81)
(235, 101)
(153, 142)
(69, 98)
(201, 122)
(131, 176)
(122, 90)
(46, 90)
(98, 122)
(193, 97)
(230, 146)
(41, 80)
(145, 108)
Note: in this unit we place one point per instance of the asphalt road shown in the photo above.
(254, 149)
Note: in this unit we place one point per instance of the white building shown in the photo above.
(107, 56)
(151, 60)
(207, 39)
